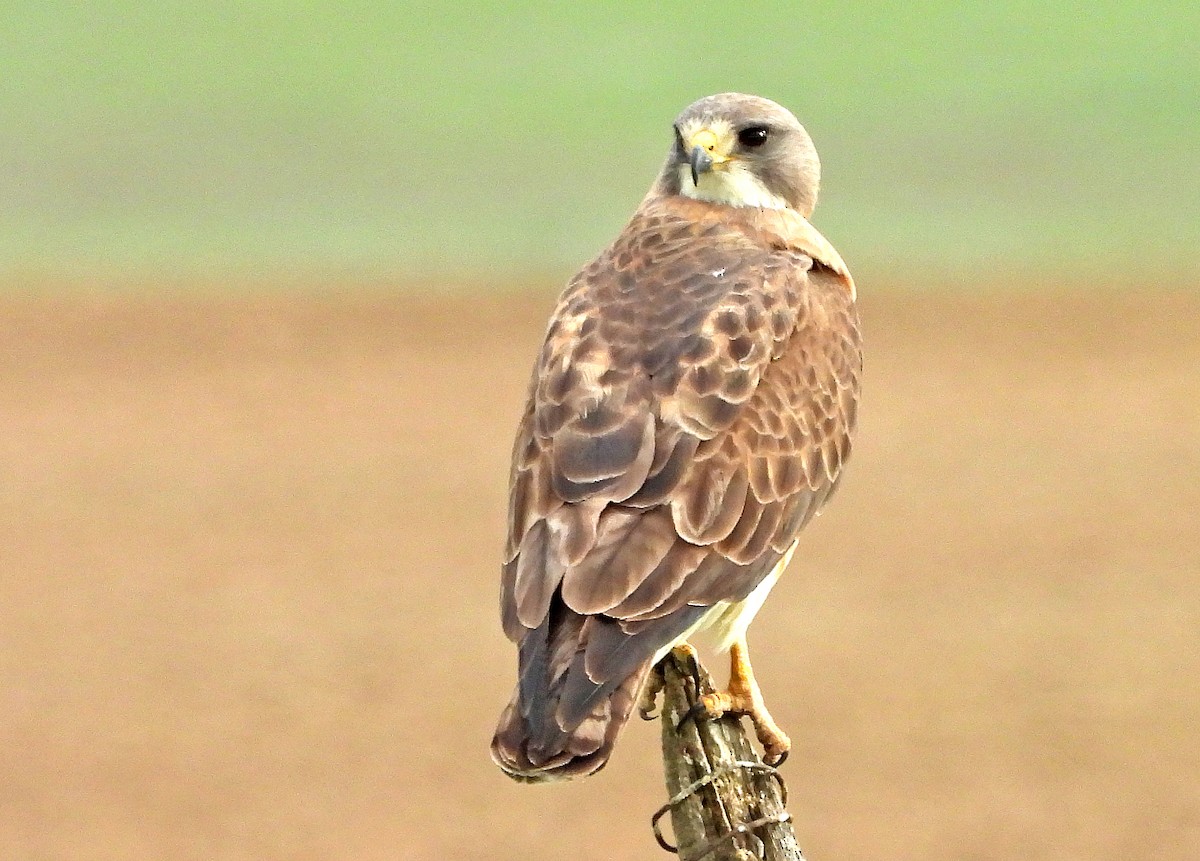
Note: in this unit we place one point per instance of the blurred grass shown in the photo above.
(425, 138)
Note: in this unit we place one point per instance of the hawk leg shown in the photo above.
(743, 697)
(648, 700)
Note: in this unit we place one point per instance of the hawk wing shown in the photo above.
(689, 412)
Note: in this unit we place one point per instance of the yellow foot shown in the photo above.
(648, 700)
(774, 740)
(745, 698)
(687, 652)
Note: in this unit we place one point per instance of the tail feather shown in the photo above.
(548, 751)
(579, 679)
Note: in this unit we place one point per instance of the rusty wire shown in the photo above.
(742, 828)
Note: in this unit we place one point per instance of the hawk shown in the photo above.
(690, 411)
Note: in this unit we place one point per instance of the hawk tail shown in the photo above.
(579, 678)
(536, 748)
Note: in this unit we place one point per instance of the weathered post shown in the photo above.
(725, 803)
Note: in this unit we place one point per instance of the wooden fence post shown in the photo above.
(726, 804)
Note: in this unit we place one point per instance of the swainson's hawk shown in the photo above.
(690, 410)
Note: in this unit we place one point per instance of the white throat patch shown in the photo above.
(731, 184)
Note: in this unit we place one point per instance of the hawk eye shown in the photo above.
(753, 136)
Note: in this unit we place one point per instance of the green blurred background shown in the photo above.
(483, 141)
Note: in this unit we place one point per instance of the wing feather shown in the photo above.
(664, 581)
(539, 570)
(630, 545)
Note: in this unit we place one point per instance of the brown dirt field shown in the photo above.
(248, 576)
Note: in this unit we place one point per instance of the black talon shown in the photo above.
(691, 714)
(782, 759)
(696, 677)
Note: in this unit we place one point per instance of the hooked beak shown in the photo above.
(701, 162)
(706, 152)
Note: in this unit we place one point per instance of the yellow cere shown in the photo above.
(716, 139)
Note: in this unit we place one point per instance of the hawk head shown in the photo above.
(742, 150)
